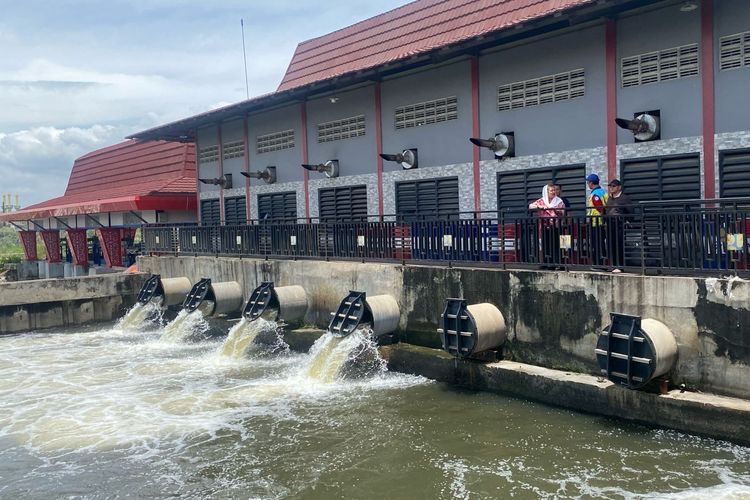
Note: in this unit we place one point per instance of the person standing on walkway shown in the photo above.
(595, 207)
(548, 208)
(619, 207)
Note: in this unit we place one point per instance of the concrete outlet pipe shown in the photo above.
(171, 290)
(380, 312)
(214, 298)
(272, 303)
(470, 330)
(632, 351)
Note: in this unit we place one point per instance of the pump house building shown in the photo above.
(551, 75)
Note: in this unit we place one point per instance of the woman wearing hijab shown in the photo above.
(548, 208)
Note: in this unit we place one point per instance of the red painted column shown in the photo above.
(28, 241)
(247, 170)
(305, 157)
(475, 129)
(222, 219)
(78, 246)
(379, 146)
(51, 240)
(707, 84)
(611, 69)
(110, 240)
(197, 175)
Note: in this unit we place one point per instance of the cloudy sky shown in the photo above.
(77, 75)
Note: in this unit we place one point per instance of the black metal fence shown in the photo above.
(707, 236)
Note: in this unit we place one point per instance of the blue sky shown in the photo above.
(77, 75)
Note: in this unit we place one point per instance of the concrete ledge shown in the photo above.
(706, 414)
(56, 290)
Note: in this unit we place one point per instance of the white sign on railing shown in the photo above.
(360, 240)
(293, 240)
(239, 240)
(448, 240)
(194, 239)
(156, 239)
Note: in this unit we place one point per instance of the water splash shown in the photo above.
(141, 316)
(246, 335)
(186, 326)
(354, 356)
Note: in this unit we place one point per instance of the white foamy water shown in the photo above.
(246, 335)
(112, 414)
(141, 316)
(186, 326)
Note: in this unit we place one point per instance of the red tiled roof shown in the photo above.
(415, 28)
(130, 175)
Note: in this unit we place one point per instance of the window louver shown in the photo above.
(428, 198)
(517, 189)
(734, 180)
(275, 141)
(341, 129)
(425, 113)
(233, 150)
(664, 178)
(660, 66)
(278, 206)
(210, 214)
(235, 211)
(543, 90)
(734, 51)
(208, 154)
(343, 203)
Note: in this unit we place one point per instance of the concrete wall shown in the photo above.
(286, 161)
(679, 100)
(553, 318)
(30, 305)
(732, 105)
(546, 128)
(438, 143)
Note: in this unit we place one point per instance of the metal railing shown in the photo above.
(698, 236)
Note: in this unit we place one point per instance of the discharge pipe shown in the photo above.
(172, 291)
(288, 303)
(214, 298)
(379, 312)
(469, 330)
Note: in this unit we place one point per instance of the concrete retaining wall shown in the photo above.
(553, 317)
(31, 305)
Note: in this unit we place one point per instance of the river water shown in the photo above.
(107, 413)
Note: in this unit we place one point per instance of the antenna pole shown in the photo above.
(244, 58)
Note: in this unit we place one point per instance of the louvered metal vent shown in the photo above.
(734, 51)
(543, 90)
(210, 214)
(515, 190)
(425, 113)
(235, 211)
(275, 141)
(427, 198)
(233, 150)
(341, 129)
(660, 66)
(343, 203)
(734, 167)
(662, 178)
(278, 206)
(208, 154)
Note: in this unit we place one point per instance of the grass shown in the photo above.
(10, 246)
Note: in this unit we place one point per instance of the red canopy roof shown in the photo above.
(417, 27)
(128, 176)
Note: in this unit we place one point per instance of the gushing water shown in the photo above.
(186, 326)
(141, 316)
(246, 334)
(354, 356)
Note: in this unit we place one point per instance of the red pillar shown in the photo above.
(305, 158)
(78, 246)
(51, 240)
(379, 146)
(110, 240)
(610, 43)
(475, 129)
(28, 240)
(707, 84)
(246, 140)
(222, 218)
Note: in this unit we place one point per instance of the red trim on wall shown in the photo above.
(379, 146)
(610, 42)
(305, 158)
(707, 83)
(246, 139)
(221, 174)
(197, 182)
(475, 129)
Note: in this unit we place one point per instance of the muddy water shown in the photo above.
(109, 413)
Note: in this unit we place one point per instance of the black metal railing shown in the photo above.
(698, 236)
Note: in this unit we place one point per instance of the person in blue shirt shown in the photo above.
(595, 205)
